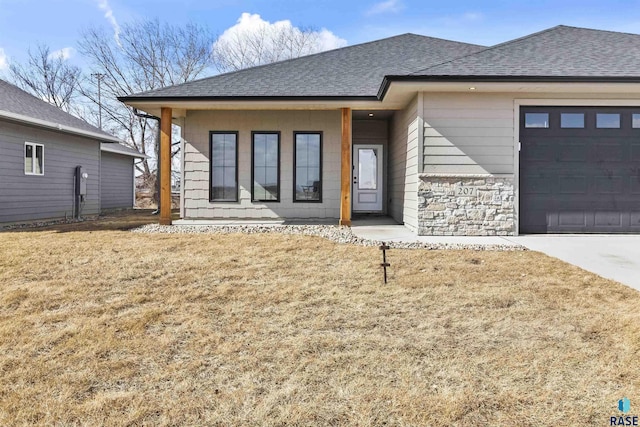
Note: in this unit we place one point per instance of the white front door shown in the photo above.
(367, 177)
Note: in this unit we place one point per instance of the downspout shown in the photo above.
(149, 116)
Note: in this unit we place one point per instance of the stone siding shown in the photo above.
(488, 212)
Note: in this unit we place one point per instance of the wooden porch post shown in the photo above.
(165, 166)
(345, 169)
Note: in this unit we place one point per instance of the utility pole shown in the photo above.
(99, 76)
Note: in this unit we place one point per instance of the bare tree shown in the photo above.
(243, 48)
(148, 55)
(48, 76)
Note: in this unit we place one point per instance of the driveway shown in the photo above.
(615, 257)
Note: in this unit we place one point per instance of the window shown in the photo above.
(635, 121)
(572, 120)
(608, 121)
(536, 120)
(265, 165)
(223, 169)
(33, 159)
(307, 157)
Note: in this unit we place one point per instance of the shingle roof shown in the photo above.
(560, 51)
(353, 71)
(365, 70)
(19, 103)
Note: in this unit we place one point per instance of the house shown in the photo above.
(117, 176)
(535, 135)
(41, 148)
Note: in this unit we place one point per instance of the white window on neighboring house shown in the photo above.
(33, 159)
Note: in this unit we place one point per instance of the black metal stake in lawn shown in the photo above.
(384, 264)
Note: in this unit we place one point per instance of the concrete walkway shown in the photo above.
(615, 257)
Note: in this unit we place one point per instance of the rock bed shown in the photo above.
(331, 232)
(38, 224)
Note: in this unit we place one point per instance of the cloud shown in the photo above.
(64, 53)
(4, 63)
(253, 41)
(254, 24)
(388, 6)
(108, 13)
(327, 40)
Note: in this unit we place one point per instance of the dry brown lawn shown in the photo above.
(100, 326)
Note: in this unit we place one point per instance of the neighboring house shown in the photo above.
(117, 176)
(539, 134)
(40, 148)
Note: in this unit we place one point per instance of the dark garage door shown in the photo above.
(579, 170)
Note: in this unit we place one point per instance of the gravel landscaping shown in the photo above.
(331, 232)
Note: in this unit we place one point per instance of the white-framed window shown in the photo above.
(33, 158)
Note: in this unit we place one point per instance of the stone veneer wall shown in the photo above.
(491, 212)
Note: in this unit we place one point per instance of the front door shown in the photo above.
(367, 178)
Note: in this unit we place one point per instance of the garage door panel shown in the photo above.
(634, 186)
(536, 220)
(572, 219)
(608, 219)
(608, 185)
(539, 151)
(573, 152)
(573, 185)
(611, 152)
(538, 184)
(576, 180)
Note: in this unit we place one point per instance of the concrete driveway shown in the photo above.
(615, 257)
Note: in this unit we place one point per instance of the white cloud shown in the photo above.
(390, 6)
(108, 14)
(64, 53)
(4, 63)
(249, 23)
(328, 40)
(253, 41)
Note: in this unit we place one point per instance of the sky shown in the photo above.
(59, 23)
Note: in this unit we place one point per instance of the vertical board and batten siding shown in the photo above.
(373, 132)
(116, 181)
(34, 197)
(403, 166)
(197, 126)
(468, 134)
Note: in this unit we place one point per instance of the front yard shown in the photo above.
(101, 326)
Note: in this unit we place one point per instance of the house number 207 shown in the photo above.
(463, 191)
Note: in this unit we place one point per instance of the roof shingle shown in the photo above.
(560, 51)
(352, 71)
(17, 101)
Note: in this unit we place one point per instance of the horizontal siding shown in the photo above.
(468, 133)
(481, 127)
(31, 197)
(196, 171)
(403, 165)
(116, 181)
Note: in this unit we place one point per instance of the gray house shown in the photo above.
(536, 135)
(41, 148)
(117, 176)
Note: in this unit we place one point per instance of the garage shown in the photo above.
(579, 170)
